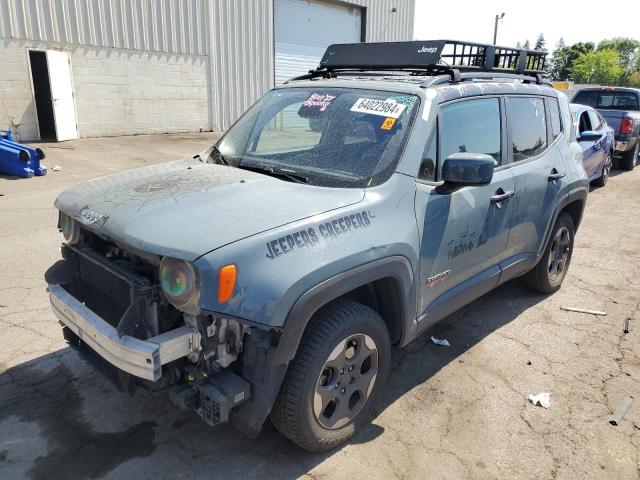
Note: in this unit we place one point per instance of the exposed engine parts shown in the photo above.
(223, 342)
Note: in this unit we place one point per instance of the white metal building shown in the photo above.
(85, 68)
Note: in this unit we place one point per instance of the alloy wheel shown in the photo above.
(559, 255)
(346, 381)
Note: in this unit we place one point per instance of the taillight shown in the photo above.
(626, 126)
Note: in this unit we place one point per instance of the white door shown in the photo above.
(304, 29)
(64, 108)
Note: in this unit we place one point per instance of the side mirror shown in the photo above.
(462, 169)
(589, 136)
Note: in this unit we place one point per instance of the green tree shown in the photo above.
(602, 66)
(628, 49)
(633, 80)
(540, 43)
(564, 57)
(526, 45)
(558, 63)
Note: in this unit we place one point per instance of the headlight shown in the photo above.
(180, 284)
(69, 227)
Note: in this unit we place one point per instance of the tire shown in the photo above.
(303, 412)
(606, 169)
(547, 276)
(628, 161)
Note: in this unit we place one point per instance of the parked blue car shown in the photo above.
(597, 139)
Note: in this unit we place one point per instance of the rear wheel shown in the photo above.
(331, 384)
(606, 169)
(629, 158)
(548, 274)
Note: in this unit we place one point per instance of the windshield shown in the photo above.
(334, 137)
(608, 100)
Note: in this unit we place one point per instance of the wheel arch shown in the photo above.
(574, 204)
(392, 277)
(389, 272)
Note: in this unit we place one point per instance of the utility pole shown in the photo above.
(495, 27)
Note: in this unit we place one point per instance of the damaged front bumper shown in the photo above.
(141, 358)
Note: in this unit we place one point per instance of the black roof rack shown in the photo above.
(430, 57)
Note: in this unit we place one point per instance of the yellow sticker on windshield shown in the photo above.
(388, 123)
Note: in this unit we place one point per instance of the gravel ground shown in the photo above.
(457, 412)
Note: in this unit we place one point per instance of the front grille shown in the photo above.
(118, 285)
(109, 279)
(104, 292)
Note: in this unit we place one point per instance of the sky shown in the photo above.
(574, 21)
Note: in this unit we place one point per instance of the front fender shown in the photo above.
(278, 267)
(265, 366)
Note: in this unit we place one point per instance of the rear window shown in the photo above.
(528, 127)
(608, 100)
(556, 120)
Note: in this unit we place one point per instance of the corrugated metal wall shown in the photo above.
(168, 26)
(384, 25)
(242, 63)
(237, 35)
(242, 58)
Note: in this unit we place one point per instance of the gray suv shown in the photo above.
(343, 214)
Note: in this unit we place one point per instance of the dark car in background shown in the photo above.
(620, 107)
(597, 140)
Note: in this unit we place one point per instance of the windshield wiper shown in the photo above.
(281, 173)
(219, 157)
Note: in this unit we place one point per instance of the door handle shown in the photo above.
(501, 196)
(555, 175)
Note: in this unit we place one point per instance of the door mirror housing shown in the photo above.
(462, 169)
(589, 136)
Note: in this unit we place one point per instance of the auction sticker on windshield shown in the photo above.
(384, 108)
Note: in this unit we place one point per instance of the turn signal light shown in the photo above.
(226, 282)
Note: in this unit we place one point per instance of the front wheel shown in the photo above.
(548, 274)
(331, 384)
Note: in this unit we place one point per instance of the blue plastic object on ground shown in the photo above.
(19, 160)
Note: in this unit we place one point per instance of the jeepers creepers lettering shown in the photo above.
(309, 237)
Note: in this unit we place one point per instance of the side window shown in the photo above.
(556, 120)
(584, 124)
(528, 127)
(470, 126)
(428, 162)
(595, 120)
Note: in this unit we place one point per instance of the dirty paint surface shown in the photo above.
(456, 412)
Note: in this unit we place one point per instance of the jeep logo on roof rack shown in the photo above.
(428, 50)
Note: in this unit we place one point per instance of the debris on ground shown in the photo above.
(57, 168)
(621, 411)
(541, 400)
(583, 310)
(442, 342)
(625, 326)
(528, 362)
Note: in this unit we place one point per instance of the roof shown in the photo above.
(419, 85)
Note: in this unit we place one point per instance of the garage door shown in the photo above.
(305, 28)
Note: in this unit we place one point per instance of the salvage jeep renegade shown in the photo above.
(343, 214)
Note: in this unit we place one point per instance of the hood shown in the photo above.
(186, 208)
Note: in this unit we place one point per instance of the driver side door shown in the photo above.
(463, 232)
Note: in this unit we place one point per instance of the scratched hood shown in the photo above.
(186, 208)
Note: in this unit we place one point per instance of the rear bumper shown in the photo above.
(623, 144)
(141, 358)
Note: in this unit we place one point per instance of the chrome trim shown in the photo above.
(141, 358)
